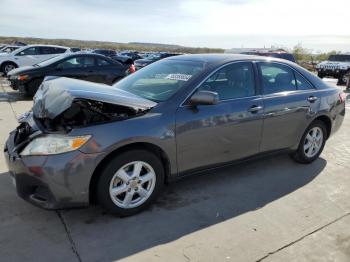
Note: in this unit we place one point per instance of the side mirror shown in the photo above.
(204, 98)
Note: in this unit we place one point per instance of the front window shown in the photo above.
(232, 81)
(159, 81)
(29, 51)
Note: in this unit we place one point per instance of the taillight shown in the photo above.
(342, 97)
(132, 69)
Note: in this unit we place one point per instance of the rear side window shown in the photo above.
(102, 62)
(276, 78)
(48, 50)
(232, 81)
(58, 50)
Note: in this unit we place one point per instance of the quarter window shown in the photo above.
(302, 84)
(102, 62)
(277, 78)
(232, 81)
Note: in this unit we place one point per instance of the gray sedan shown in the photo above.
(84, 142)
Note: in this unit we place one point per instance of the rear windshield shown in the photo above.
(340, 58)
(160, 80)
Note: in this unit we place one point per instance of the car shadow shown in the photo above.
(188, 205)
(13, 96)
(9, 95)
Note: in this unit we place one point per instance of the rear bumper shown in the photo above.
(51, 182)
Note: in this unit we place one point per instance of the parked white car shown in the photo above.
(29, 55)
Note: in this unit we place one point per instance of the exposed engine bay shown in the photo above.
(63, 104)
(84, 112)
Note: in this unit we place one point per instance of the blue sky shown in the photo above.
(317, 24)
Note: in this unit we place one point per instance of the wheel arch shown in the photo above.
(137, 145)
(7, 61)
(327, 121)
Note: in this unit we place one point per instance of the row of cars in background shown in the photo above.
(27, 66)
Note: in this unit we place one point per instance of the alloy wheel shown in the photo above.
(8, 68)
(313, 142)
(132, 184)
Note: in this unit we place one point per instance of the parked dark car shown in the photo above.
(118, 145)
(126, 60)
(89, 67)
(140, 63)
(133, 55)
(105, 52)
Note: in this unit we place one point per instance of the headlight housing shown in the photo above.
(54, 144)
(23, 77)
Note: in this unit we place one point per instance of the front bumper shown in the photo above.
(51, 182)
(17, 84)
(336, 73)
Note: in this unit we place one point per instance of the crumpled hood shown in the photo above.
(55, 96)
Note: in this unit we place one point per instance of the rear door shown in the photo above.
(213, 134)
(290, 101)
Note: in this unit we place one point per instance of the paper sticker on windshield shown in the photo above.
(178, 77)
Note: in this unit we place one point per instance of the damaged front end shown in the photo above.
(63, 104)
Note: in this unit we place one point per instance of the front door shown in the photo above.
(213, 134)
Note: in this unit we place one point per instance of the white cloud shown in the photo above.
(215, 23)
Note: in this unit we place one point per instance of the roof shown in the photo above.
(215, 58)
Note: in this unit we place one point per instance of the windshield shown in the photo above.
(159, 81)
(339, 58)
(50, 60)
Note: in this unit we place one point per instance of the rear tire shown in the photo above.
(124, 193)
(312, 143)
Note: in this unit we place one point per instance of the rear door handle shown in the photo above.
(312, 99)
(255, 108)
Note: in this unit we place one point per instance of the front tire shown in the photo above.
(130, 182)
(312, 143)
(7, 67)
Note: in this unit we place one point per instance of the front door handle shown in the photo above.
(312, 99)
(255, 108)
